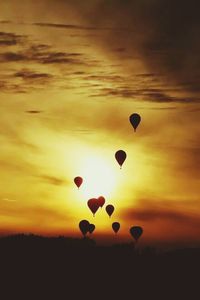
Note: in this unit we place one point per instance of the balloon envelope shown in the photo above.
(115, 226)
(120, 156)
(109, 209)
(135, 120)
(136, 232)
(91, 228)
(78, 181)
(101, 201)
(93, 205)
(84, 227)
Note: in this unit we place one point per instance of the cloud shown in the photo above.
(32, 76)
(53, 180)
(7, 86)
(41, 57)
(163, 37)
(163, 34)
(44, 54)
(37, 55)
(57, 58)
(65, 26)
(141, 86)
(5, 22)
(77, 27)
(163, 210)
(151, 95)
(10, 39)
(12, 57)
(156, 214)
(33, 111)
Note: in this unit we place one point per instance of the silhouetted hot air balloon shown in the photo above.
(101, 201)
(135, 120)
(84, 227)
(109, 209)
(136, 232)
(91, 228)
(120, 156)
(78, 181)
(115, 226)
(93, 205)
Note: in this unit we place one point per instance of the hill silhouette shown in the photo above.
(35, 267)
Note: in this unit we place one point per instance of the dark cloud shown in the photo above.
(105, 77)
(40, 47)
(57, 58)
(155, 214)
(33, 111)
(5, 22)
(9, 87)
(12, 57)
(78, 27)
(151, 95)
(30, 79)
(33, 76)
(79, 73)
(167, 211)
(142, 86)
(10, 39)
(160, 108)
(65, 26)
(43, 55)
(40, 54)
(163, 34)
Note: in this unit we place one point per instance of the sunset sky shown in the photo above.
(71, 74)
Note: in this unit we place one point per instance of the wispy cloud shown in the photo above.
(31, 76)
(143, 94)
(53, 180)
(34, 111)
(41, 57)
(10, 39)
(79, 27)
(170, 45)
(163, 210)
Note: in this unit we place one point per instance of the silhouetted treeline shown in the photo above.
(35, 267)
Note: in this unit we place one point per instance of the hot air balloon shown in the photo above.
(120, 156)
(93, 205)
(101, 201)
(78, 181)
(135, 120)
(136, 232)
(84, 227)
(115, 226)
(109, 209)
(91, 228)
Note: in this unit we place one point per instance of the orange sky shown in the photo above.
(69, 80)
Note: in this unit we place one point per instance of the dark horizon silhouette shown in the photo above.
(72, 267)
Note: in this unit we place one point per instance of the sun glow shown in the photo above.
(100, 177)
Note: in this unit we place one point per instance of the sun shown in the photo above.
(99, 177)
